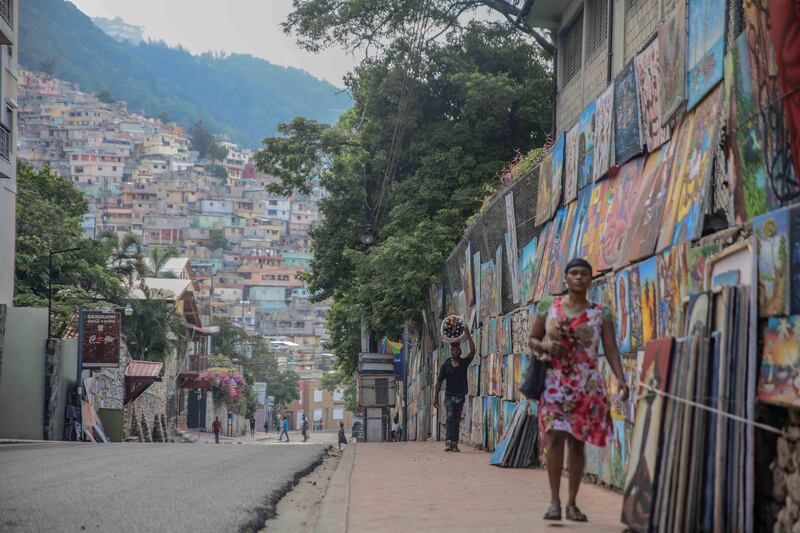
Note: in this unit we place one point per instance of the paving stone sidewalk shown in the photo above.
(419, 487)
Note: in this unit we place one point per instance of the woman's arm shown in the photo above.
(536, 336)
(613, 357)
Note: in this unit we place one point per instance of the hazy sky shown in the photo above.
(247, 26)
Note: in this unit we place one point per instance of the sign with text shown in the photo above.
(100, 334)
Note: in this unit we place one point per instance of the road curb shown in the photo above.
(336, 503)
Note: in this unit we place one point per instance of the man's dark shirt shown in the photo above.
(456, 377)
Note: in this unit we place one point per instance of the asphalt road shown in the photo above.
(145, 487)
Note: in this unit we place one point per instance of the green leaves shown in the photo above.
(480, 98)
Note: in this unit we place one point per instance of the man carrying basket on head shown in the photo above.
(454, 371)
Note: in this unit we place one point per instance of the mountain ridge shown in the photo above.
(238, 95)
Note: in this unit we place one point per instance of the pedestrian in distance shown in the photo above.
(304, 429)
(284, 429)
(252, 426)
(454, 372)
(397, 428)
(342, 438)
(573, 408)
(216, 427)
(266, 425)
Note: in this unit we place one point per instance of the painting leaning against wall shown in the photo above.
(705, 48)
(627, 129)
(646, 65)
(603, 133)
(671, 67)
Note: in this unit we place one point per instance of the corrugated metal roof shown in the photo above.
(144, 369)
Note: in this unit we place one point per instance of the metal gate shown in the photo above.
(196, 412)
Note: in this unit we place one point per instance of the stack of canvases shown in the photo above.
(517, 449)
(692, 450)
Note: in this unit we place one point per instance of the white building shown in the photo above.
(9, 24)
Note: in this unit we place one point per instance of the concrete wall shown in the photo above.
(22, 382)
(66, 383)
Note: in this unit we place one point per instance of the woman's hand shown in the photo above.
(555, 349)
(624, 392)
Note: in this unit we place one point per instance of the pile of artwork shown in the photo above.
(517, 448)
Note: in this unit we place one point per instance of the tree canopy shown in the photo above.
(479, 98)
(354, 24)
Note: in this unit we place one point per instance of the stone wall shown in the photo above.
(786, 476)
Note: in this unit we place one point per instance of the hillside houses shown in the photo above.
(244, 245)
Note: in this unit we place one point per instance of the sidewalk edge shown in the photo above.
(336, 503)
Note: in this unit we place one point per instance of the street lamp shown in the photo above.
(50, 284)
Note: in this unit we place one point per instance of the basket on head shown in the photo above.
(453, 329)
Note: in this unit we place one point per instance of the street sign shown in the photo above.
(270, 401)
(261, 391)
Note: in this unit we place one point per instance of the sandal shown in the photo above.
(553, 513)
(575, 514)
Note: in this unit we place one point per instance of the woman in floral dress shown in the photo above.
(574, 406)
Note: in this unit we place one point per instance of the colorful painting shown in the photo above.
(784, 27)
(691, 173)
(641, 240)
(586, 146)
(615, 454)
(469, 286)
(628, 189)
(641, 475)
(507, 337)
(543, 196)
(477, 287)
(705, 48)
(579, 223)
(627, 130)
(487, 288)
(696, 259)
(554, 280)
(596, 213)
(750, 189)
(561, 256)
(603, 133)
(672, 65)
(517, 376)
(556, 174)
(499, 383)
(635, 310)
(571, 163)
(779, 378)
(527, 271)
(622, 318)
(646, 65)
(672, 289)
(541, 262)
(511, 247)
(497, 289)
(772, 233)
(648, 291)
(501, 335)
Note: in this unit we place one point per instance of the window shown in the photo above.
(317, 395)
(338, 396)
(317, 415)
(78, 170)
(338, 413)
(571, 49)
(597, 27)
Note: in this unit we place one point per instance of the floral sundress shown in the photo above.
(574, 399)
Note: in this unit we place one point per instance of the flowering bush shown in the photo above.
(227, 384)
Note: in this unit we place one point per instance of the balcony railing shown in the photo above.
(7, 11)
(5, 142)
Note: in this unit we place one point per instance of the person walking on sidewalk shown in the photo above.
(342, 438)
(574, 406)
(454, 371)
(216, 427)
(304, 429)
(284, 429)
(266, 425)
(252, 426)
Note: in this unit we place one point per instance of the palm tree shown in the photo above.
(125, 257)
(158, 258)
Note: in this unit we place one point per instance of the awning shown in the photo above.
(197, 329)
(139, 375)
